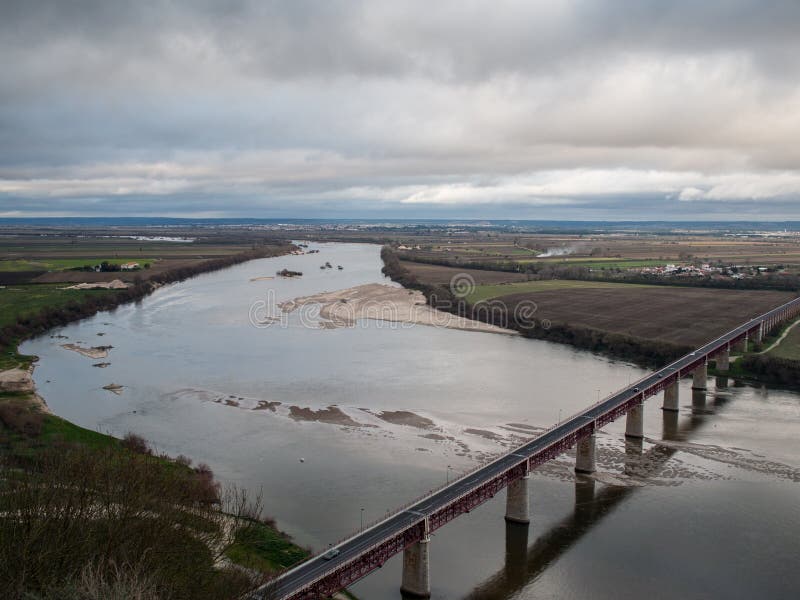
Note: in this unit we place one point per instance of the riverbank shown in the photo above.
(164, 502)
(27, 312)
(774, 361)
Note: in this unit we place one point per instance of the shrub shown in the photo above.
(21, 418)
(136, 443)
(88, 523)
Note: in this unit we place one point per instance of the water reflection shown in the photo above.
(633, 453)
(698, 401)
(516, 552)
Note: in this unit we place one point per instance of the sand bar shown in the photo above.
(95, 352)
(376, 301)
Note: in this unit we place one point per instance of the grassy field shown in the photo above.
(789, 347)
(486, 292)
(48, 255)
(264, 549)
(598, 263)
(61, 264)
(27, 300)
(617, 251)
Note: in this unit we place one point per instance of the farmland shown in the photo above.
(677, 316)
(62, 264)
(27, 300)
(681, 316)
(440, 275)
(47, 255)
(487, 292)
(610, 250)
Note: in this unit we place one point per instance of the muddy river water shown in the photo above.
(335, 426)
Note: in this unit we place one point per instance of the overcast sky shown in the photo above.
(497, 109)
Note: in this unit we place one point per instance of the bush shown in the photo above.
(21, 418)
(772, 369)
(136, 443)
(87, 523)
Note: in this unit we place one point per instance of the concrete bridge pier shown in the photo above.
(416, 570)
(585, 455)
(700, 377)
(518, 501)
(760, 333)
(671, 397)
(724, 360)
(741, 345)
(634, 422)
(669, 427)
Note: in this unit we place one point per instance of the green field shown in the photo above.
(601, 263)
(789, 346)
(264, 549)
(486, 292)
(27, 300)
(61, 264)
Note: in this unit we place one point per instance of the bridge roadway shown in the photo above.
(368, 550)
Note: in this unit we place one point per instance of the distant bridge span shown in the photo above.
(408, 530)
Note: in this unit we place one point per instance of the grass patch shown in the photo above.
(26, 431)
(19, 301)
(601, 263)
(57, 429)
(11, 359)
(263, 548)
(487, 292)
(61, 264)
(789, 347)
(24, 301)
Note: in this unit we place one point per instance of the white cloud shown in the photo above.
(746, 186)
(420, 105)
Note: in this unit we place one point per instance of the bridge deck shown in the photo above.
(369, 549)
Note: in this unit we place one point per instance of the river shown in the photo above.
(709, 507)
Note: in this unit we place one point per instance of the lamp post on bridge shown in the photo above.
(448, 474)
(362, 519)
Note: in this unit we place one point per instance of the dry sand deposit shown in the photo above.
(343, 308)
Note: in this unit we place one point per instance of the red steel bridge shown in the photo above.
(409, 529)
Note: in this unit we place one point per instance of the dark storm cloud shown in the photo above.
(501, 107)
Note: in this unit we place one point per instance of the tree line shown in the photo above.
(765, 281)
